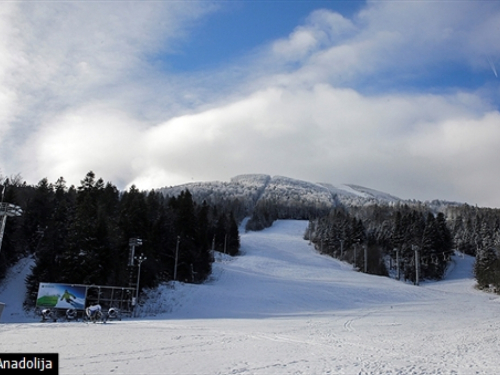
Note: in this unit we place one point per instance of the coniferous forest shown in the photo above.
(404, 239)
(81, 235)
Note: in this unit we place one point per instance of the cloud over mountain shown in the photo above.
(399, 96)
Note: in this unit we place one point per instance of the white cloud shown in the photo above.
(324, 134)
(8, 61)
(300, 43)
(463, 152)
(57, 57)
(88, 138)
(78, 93)
(394, 41)
(322, 28)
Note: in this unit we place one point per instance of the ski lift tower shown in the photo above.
(7, 210)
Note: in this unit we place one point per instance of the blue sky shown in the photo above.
(239, 27)
(399, 96)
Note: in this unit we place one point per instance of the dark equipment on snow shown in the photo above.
(94, 314)
(71, 314)
(48, 314)
(114, 314)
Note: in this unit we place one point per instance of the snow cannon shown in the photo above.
(48, 314)
(114, 314)
(94, 314)
(71, 314)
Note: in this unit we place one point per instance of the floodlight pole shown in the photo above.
(417, 265)
(366, 257)
(139, 260)
(357, 242)
(398, 272)
(213, 249)
(133, 242)
(176, 257)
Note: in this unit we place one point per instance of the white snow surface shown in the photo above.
(13, 292)
(280, 308)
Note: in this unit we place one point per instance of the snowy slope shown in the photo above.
(281, 308)
(280, 274)
(13, 291)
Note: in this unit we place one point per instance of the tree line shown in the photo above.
(396, 239)
(81, 235)
(476, 232)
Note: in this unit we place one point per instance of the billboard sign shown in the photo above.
(61, 296)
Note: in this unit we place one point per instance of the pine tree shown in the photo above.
(161, 241)
(87, 258)
(486, 268)
(52, 241)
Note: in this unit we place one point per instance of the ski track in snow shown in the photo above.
(279, 308)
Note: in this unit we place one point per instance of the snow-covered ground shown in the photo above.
(13, 292)
(281, 308)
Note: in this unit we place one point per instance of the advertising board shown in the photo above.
(61, 296)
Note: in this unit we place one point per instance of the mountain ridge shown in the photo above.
(260, 182)
(280, 197)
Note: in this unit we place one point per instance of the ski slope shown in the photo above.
(281, 308)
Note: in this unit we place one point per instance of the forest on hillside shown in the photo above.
(81, 235)
(406, 239)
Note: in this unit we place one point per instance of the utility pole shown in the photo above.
(192, 273)
(417, 266)
(366, 258)
(356, 244)
(398, 272)
(213, 249)
(176, 257)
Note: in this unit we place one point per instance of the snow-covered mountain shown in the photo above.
(249, 189)
(352, 194)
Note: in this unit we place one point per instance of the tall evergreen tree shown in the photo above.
(87, 257)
